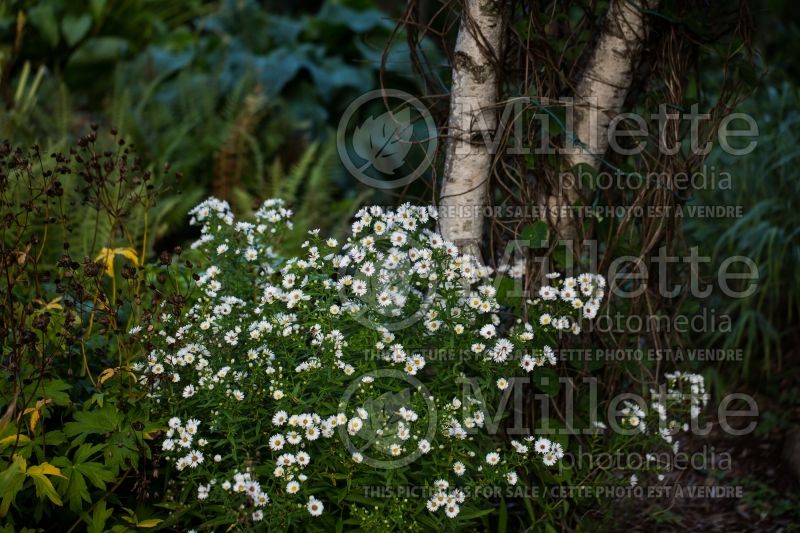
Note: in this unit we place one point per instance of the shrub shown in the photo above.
(291, 387)
(73, 432)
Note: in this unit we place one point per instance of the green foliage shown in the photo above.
(69, 404)
(309, 184)
(77, 471)
(85, 36)
(274, 80)
(72, 429)
(289, 382)
(763, 185)
(224, 91)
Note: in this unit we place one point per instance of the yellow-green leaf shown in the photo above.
(36, 412)
(44, 487)
(107, 255)
(11, 439)
(11, 481)
(45, 469)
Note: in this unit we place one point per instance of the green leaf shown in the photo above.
(11, 481)
(536, 234)
(74, 487)
(96, 473)
(150, 522)
(546, 380)
(97, 522)
(97, 7)
(510, 291)
(471, 515)
(277, 68)
(562, 259)
(122, 447)
(100, 50)
(53, 390)
(43, 18)
(87, 423)
(356, 20)
(75, 27)
(85, 452)
(44, 487)
(121, 452)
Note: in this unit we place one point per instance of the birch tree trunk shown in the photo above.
(473, 98)
(599, 96)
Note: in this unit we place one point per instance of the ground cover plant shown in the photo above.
(290, 384)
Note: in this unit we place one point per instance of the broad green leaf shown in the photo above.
(100, 50)
(86, 451)
(536, 234)
(510, 291)
(75, 27)
(98, 474)
(44, 487)
(74, 487)
(122, 451)
(53, 390)
(43, 18)
(96, 523)
(11, 481)
(99, 421)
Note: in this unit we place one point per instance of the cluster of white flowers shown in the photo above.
(449, 501)
(243, 483)
(634, 416)
(550, 451)
(687, 385)
(681, 390)
(270, 343)
(582, 293)
(179, 443)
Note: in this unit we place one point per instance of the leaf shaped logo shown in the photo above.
(384, 141)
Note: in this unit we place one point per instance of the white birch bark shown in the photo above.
(473, 97)
(599, 96)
